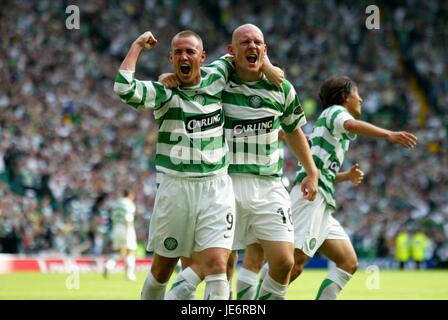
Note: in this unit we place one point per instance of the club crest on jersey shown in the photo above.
(245, 128)
(170, 243)
(203, 122)
(199, 98)
(298, 110)
(312, 243)
(255, 101)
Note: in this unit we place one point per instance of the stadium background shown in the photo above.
(68, 145)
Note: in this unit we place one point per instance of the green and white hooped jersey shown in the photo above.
(123, 211)
(329, 144)
(254, 114)
(190, 120)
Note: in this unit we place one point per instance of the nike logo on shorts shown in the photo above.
(227, 236)
(233, 86)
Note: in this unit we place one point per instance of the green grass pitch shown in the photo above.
(385, 285)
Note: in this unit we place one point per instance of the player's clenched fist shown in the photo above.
(309, 188)
(355, 174)
(146, 40)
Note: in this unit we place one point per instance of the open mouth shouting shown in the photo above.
(252, 59)
(185, 69)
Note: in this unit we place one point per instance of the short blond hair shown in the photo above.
(188, 33)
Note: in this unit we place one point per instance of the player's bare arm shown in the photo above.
(144, 41)
(298, 144)
(274, 74)
(403, 138)
(355, 175)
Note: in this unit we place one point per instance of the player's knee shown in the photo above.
(162, 275)
(162, 269)
(283, 265)
(353, 266)
(215, 264)
(349, 266)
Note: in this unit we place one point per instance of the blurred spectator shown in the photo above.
(67, 143)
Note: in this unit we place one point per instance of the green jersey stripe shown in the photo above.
(329, 144)
(222, 65)
(291, 102)
(205, 99)
(263, 85)
(254, 114)
(190, 120)
(186, 155)
(254, 148)
(183, 140)
(333, 117)
(245, 101)
(176, 164)
(120, 79)
(297, 123)
(268, 170)
(322, 143)
(320, 122)
(161, 93)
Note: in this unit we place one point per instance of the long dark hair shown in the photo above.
(335, 90)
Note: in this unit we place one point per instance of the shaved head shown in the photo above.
(186, 34)
(248, 49)
(243, 28)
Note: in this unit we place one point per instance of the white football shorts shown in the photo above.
(263, 210)
(192, 214)
(313, 222)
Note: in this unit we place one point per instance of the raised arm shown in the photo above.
(298, 144)
(406, 139)
(136, 93)
(144, 41)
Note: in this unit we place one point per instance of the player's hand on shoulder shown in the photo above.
(230, 58)
(274, 74)
(406, 139)
(146, 40)
(169, 80)
(356, 175)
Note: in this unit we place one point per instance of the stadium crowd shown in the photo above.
(68, 146)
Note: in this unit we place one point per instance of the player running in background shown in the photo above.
(255, 110)
(315, 226)
(124, 239)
